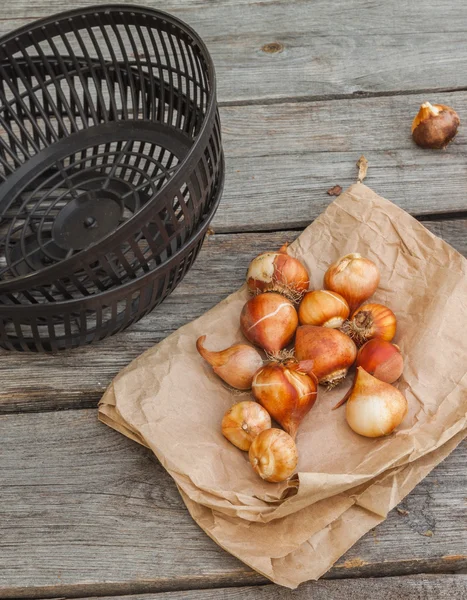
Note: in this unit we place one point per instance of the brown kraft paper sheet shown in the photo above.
(304, 545)
(256, 543)
(169, 399)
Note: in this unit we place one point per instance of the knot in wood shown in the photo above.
(272, 48)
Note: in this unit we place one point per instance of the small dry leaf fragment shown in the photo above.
(362, 165)
(428, 533)
(335, 191)
(402, 511)
(353, 563)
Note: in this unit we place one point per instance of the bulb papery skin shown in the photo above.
(286, 392)
(244, 422)
(323, 308)
(331, 351)
(381, 359)
(235, 365)
(278, 272)
(273, 455)
(354, 277)
(374, 408)
(269, 321)
(371, 321)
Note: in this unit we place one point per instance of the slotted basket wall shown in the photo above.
(111, 167)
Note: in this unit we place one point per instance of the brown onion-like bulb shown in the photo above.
(353, 277)
(371, 321)
(243, 422)
(278, 272)
(235, 365)
(286, 392)
(435, 125)
(273, 455)
(331, 351)
(374, 408)
(381, 359)
(323, 307)
(269, 321)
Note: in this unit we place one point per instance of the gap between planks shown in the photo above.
(253, 583)
(412, 587)
(458, 215)
(44, 383)
(356, 95)
(85, 520)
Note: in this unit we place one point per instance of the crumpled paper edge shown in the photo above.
(317, 554)
(336, 483)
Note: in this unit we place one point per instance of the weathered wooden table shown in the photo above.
(305, 87)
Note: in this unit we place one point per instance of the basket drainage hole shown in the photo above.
(90, 222)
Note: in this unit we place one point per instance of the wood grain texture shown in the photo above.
(77, 378)
(281, 159)
(325, 52)
(85, 511)
(417, 587)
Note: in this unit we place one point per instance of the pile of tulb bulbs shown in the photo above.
(334, 328)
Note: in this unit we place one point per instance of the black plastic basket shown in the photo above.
(111, 167)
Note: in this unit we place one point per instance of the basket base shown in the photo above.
(58, 327)
(80, 189)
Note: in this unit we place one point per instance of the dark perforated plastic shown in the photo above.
(111, 167)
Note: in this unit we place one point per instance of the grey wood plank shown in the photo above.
(44, 382)
(324, 51)
(85, 511)
(415, 587)
(281, 159)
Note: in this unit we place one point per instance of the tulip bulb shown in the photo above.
(235, 365)
(371, 321)
(269, 321)
(286, 392)
(273, 455)
(331, 351)
(243, 422)
(278, 272)
(435, 125)
(381, 359)
(323, 307)
(374, 408)
(353, 277)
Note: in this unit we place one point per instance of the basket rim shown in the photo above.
(11, 310)
(184, 168)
